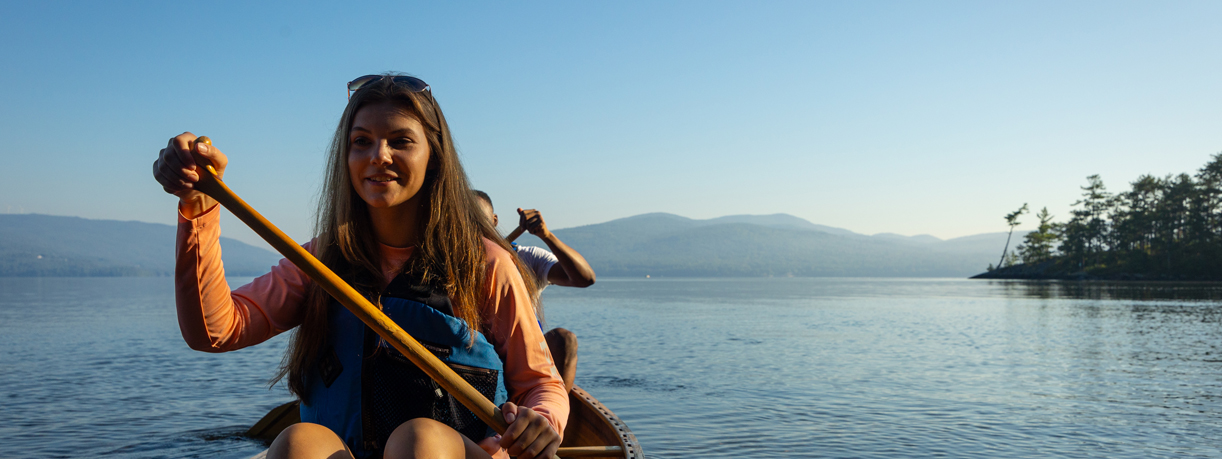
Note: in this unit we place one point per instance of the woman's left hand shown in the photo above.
(529, 434)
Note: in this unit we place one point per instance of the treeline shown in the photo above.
(1168, 227)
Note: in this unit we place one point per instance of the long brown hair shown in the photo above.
(450, 254)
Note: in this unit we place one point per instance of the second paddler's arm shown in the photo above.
(574, 270)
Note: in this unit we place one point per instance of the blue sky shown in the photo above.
(907, 117)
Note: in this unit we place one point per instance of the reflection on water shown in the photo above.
(902, 367)
(1100, 290)
(697, 368)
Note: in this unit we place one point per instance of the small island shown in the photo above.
(1161, 229)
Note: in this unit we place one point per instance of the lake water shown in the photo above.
(696, 367)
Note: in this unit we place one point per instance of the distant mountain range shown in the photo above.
(34, 245)
(661, 244)
(657, 244)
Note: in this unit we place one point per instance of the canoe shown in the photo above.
(592, 431)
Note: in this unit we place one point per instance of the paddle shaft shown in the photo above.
(515, 233)
(590, 451)
(373, 317)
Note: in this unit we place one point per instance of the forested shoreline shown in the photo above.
(1167, 228)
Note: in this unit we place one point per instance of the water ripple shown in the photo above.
(715, 368)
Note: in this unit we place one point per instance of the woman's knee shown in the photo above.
(423, 437)
(308, 440)
(563, 337)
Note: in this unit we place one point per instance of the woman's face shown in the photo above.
(388, 155)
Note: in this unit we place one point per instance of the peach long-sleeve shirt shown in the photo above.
(214, 319)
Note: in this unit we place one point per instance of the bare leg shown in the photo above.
(306, 440)
(425, 438)
(563, 344)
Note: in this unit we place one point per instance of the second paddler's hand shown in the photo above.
(531, 220)
(175, 169)
(529, 435)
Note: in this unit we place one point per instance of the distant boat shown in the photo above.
(592, 431)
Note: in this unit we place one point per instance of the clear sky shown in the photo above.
(906, 117)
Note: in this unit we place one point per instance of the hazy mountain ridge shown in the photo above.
(661, 244)
(34, 245)
(657, 244)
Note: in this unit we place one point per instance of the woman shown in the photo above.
(397, 222)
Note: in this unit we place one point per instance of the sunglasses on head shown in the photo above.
(412, 83)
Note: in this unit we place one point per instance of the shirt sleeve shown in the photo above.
(539, 260)
(530, 375)
(211, 317)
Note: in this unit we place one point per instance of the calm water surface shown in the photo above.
(696, 367)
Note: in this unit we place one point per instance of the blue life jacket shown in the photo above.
(362, 388)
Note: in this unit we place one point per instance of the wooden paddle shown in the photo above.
(373, 317)
(515, 233)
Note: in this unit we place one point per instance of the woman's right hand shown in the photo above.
(177, 172)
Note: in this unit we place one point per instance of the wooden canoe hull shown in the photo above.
(592, 430)
(592, 424)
